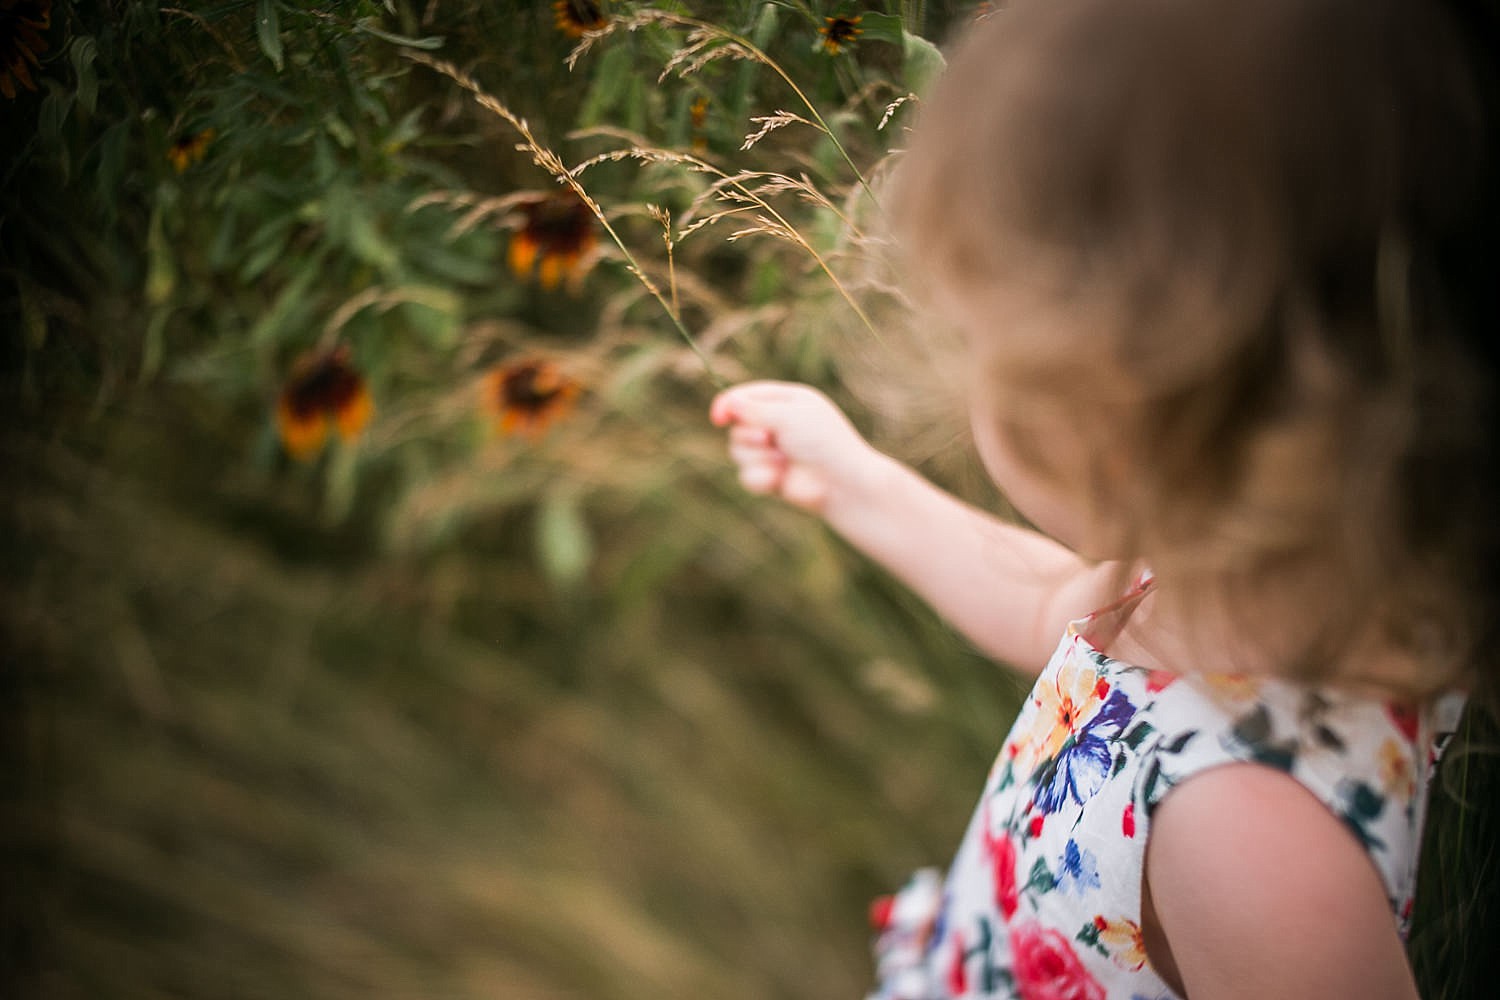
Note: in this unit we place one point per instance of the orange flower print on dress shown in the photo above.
(555, 239)
(526, 397)
(325, 392)
(839, 32)
(21, 25)
(1121, 939)
(1063, 706)
(1397, 774)
(576, 18)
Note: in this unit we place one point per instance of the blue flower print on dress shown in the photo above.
(1078, 871)
(1083, 763)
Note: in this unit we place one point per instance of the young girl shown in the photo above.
(1220, 270)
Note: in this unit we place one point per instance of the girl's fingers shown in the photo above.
(753, 454)
(804, 488)
(752, 402)
(749, 434)
(760, 478)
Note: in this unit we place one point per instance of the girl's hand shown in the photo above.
(790, 440)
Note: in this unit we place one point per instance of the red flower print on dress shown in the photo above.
(1159, 680)
(1046, 967)
(1405, 718)
(881, 908)
(1003, 854)
(1127, 821)
(958, 976)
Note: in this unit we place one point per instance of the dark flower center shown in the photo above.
(328, 386)
(529, 387)
(841, 30)
(582, 13)
(559, 225)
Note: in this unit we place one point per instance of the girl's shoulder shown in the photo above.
(1367, 760)
(1251, 887)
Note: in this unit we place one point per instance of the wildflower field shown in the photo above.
(381, 616)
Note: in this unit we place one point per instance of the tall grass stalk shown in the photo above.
(748, 199)
(554, 165)
(697, 53)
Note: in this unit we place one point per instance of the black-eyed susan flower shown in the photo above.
(526, 397)
(838, 32)
(575, 18)
(21, 25)
(324, 392)
(555, 238)
(189, 149)
(698, 113)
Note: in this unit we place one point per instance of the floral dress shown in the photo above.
(1042, 901)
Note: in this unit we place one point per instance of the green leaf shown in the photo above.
(434, 313)
(341, 485)
(882, 27)
(368, 26)
(366, 242)
(922, 62)
(564, 546)
(82, 52)
(221, 250)
(268, 31)
(161, 273)
(340, 131)
(266, 245)
(290, 306)
(53, 112)
(33, 318)
(608, 88)
(109, 175)
(1041, 878)
(154, 342)
(353, 226)
(764, 31)
(1137, 734)
(404, 131)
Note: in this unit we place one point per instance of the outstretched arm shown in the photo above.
(1009, 589)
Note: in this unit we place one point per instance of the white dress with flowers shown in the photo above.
(1042, 901)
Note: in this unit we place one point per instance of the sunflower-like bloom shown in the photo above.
(576, 18)
(189, 149)
(526, 397)
(698, 114)
(838, 32)
(556, 238)
(324, 392)
(21, 41)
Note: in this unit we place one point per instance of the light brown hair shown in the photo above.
(1244, 245)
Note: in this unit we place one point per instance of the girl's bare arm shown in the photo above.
(1009, 589)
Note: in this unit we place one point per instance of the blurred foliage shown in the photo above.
(438, 710)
